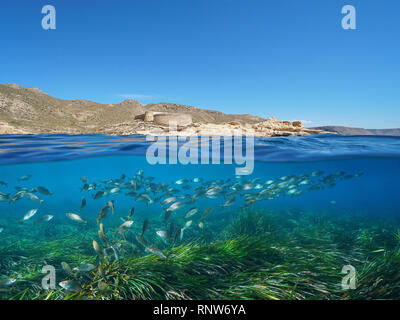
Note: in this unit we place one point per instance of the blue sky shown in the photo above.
(289, 59)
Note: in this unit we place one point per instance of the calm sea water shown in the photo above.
(57, 162)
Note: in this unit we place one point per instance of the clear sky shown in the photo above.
(285, 58)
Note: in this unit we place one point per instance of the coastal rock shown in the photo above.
(180, 119)
(269, 128)
(148, 116)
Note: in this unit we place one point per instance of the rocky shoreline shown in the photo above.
(269, 128)
(31, 111)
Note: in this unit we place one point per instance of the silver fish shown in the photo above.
(163, 235)
(86, 267)
(76, 218)
(156, 252)
(45, 218)
(29, 215)
(123, 227)
(169, 200)
(32, 197)
(191, 212)
(5, 283)
(176, 206)
(70, 285)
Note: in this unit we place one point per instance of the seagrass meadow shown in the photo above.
(258, 255)
(81, 222)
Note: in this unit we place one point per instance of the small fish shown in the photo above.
(115, 251)
(76, 218)
(98, 194)
(144, 227)
(123, 227)
(316, 173)
(110, 204)
(65, 266)
(3, 183)
(144, 197)
(28, 215)
(191, 212)
(5, 198)
(5, 283)
(115, 190)
(141, 241)
(163, 235)
(102, 234)
(176, 206)
(229, 202)
(181, 181)
(18, 196)
(177, 234)
(156, 252)
(45, 218)
(44, 191)
(131, 212)
(186, 226)
(206, 212)
(1, 230)
(197, 195)
(102, 285)
(84, 179)
(70, 285)
(24, 178)
(31, 196)
(169, 200)
(83, 203)
(201, 224)
(86, 267)
(97, 248)
(104, 211)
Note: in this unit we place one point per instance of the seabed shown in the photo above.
(260, 254)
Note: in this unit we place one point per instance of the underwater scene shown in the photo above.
(88, 217)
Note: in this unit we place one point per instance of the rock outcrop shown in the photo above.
(178, 119)
(269, 128)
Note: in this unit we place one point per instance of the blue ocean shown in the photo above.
(88, 217)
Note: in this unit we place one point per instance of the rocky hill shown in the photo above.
(359, 131)
(32, 111)
(202, 115)
(29, 110)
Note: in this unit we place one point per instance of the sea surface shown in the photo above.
(350, 182)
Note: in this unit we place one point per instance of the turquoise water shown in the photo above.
(58, 163)
(361, 175)
(375, 191)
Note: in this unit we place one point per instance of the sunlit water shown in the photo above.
(57, 162)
